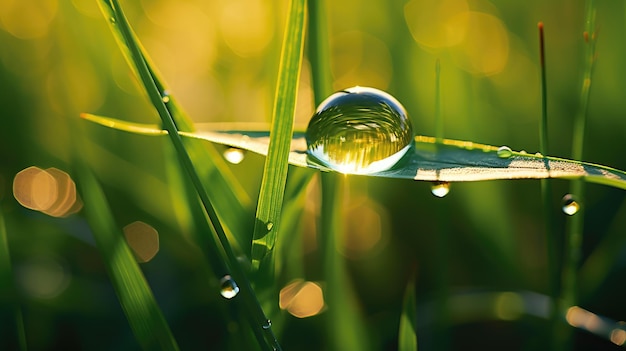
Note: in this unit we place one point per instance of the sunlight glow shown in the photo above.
(302, 298)
(50, 191)
(143, 239)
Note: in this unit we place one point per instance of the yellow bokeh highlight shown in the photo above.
(50, 191)
(484, 49)
(143, 239)
(366, 228)
(435, 24)
(618, 337)
(302, 298)
(27, 19)
(247, 26)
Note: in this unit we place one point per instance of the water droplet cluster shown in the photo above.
(359, 131)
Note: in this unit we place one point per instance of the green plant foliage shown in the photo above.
(407, 338)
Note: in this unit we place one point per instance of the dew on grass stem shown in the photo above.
(228, 287)
(570, 206)
(504, 152)
(359, 131)
(234, 155)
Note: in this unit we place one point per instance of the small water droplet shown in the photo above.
(267, 325)
(112, 20)
(538, 154)
(234, 155)
(523, 152)
(228, 287)
(504, 152)
(440, 189)
(359, 131)
(269, 226)
(570, 206)
(165, 96)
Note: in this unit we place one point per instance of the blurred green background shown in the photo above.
(58, 59)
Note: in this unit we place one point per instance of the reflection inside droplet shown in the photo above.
(440, 189)
(570, 206)
(359, 131)
(228, 287)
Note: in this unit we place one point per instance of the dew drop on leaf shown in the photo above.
(228, 287)
(359, 131)
(165, 96)
(112, 20)
(440, 189)
(267, 325)
(504, 152)
(570, 206)
(234, 155)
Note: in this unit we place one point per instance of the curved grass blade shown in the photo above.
(143, 313)
(275, 170)
(407, 336)
(450, 161)
(225, 189)
(260, 324)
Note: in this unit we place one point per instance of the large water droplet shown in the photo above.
(570, 206)
(440, 189)
(359, 131)
(228, 287)
(504, 152)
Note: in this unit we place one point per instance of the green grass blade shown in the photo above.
(225, 188)
(254, 313)
(15, 335)
(133, 292)
(275, 171)
(319, 52)
(407, 336)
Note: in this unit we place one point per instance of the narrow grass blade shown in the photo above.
(260, 324)
(275, 171)
(133, 292)
(227, 191)
(319, 50)
(407, 335)
(451, 161)
(11, 317)
(345, 325)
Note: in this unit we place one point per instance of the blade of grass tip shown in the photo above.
(263, 330)
(552, 241)
(407, 335)
(143, 314)
(231, 195)
(276, 164)
(14, 336)
(344, 322)
(575, 223)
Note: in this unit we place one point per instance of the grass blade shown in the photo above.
(133, 292)
(256, 317)
(14, 335)
(275, 171)
(407, 336)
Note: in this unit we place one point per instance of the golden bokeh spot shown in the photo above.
(302, 298)
(435, 24)
(27, 19)
(143, 239)
(361, 59)
(484, 49)
(581, 318)
(246, 26)
(618, 337)
(366, 227)
(50, 191)
(35, 188)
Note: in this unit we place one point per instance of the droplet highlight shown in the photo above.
(234, 155)
(267, 325)
(269, 226)
(570, 205)
(440, 189)
(359, 130)
(504, 152)
(228, 287)
(165, 96)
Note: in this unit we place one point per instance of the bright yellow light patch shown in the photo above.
(234, 155)
(143, 239)
(435, 24)
(246, 26)
(50, 191)
(302, 298)
(27, 19)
